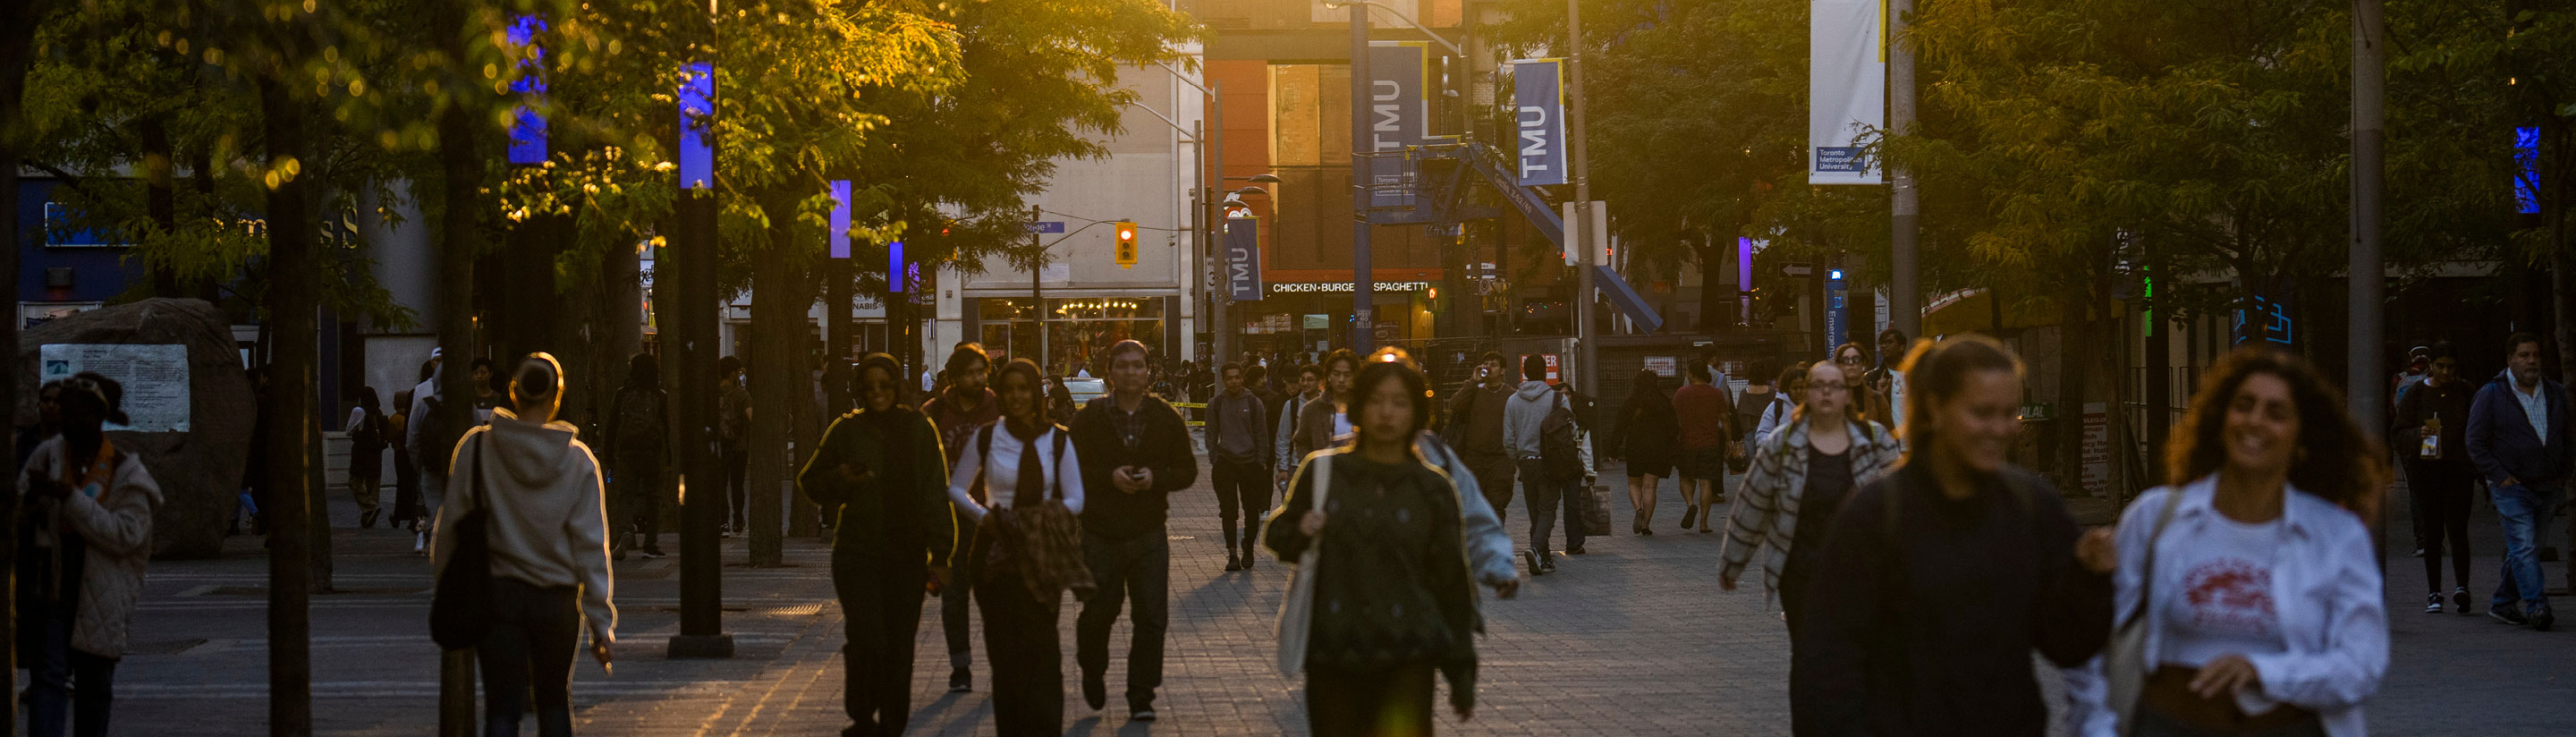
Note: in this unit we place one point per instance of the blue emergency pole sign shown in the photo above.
(1837, 310)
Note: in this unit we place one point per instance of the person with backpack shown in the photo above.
(88, 506)
(1751, 403)
(639, 446)
(882, 468)
(1031, 477)
(1538, 425)
(1937, 581)
(733, 442)
(1239, 439)
(1793, 383)
(529, 484)
(366, 430)
(406, 473)
(1475, 429)
(1310, 387)
(1798, 480)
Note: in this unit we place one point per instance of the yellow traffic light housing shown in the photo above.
(1126, 244)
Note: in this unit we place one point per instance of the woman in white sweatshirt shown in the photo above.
(549, 545)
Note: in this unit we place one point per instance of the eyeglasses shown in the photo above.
(1849, 358)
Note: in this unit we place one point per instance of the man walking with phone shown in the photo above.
(1476, 430)
(1135, 450)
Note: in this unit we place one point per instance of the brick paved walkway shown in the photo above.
(1633, 639)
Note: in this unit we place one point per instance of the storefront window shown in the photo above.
(1076, 329)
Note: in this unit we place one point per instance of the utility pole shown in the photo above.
(1212, 214)
(1905, 278)
(2365, 275)
(1587, 350)
(1363, 177)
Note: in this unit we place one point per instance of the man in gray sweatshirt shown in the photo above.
(1542, 494)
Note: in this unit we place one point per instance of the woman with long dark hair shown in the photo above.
(1647, 435)
(879, 467)
(1025, 463)
(1799, 479)
(2253, 571)
(1937, 581)
(1392, 601)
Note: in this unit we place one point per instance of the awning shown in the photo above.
(1626, 298)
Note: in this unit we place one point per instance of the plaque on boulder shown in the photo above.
(197, 458)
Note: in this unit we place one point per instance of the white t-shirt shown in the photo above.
(1002, 484)
(2223, 603)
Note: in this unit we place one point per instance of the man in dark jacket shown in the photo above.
(638, 430)
(1135, 450)
(1238, 439)
(2518, 439)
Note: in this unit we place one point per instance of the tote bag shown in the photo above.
(460, 612)
(1297, 612)
(2124, 664)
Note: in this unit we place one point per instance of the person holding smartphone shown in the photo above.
(881, 467)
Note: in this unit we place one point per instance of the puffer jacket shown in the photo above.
(117, 528)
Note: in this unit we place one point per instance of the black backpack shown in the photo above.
(369, 440)
(639, 422)
(1557, 447)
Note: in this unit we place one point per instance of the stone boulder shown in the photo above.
(200, 471)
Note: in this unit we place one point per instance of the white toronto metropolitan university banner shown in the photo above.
(1846, 89)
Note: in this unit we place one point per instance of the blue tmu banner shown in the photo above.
(1538, 108)
(1243, 259)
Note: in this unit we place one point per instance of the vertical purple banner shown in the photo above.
(2526, 179)
(1744, 276)
(527, 128)
(697, 113)
(896, 274)
(840, 218)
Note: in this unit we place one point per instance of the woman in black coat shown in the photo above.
(1648, 435)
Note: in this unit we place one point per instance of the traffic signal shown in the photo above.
(1126, 244)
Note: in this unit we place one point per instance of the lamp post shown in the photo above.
(1587, 350)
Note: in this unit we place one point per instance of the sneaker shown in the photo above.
(420, 543)
(2508, 614)
(1721, 498)
(1576, 550)
(654, 554)
(2419, 552)
(1531, 557)
(1233, 562)
(2432, 603)
(367, 520)
(1547, 564)
(725, 532)
(2540, 617)
(1095, 690)
(960, 681)
(2460, 600)
(1141, 714)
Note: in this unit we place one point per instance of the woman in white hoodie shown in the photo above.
(549, 544)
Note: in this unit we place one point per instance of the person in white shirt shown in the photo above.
(2256, 580)
(1021, 461)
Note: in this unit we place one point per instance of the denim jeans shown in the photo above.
(1139, 570)
(1544, 498)
(2524, 509)
(63, 680)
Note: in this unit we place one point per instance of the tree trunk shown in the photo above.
(16, 36)
(294, 270)
(461, 159)
(2075, 345)
(779, 383)
(160, 197)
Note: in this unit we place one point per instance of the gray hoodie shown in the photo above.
(1523, 414)
(549, 523)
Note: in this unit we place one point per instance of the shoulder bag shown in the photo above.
(2124, 662)
(460, 612)
(1297, 611)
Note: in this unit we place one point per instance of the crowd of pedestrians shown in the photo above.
(1916, 569)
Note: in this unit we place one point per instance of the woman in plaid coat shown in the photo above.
(1803, 473)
